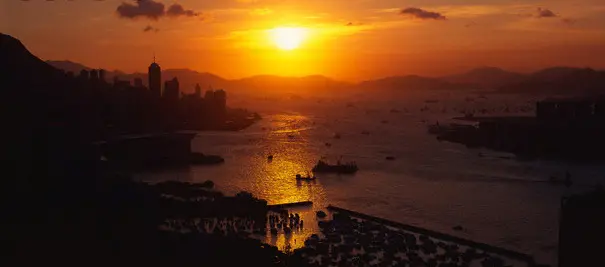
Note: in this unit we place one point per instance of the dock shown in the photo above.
(445, 237)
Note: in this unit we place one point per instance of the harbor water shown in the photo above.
(435, 185)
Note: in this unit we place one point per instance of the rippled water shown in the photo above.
(431, 184)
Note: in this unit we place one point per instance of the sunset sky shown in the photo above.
(344, 39)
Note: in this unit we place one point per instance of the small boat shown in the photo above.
(305, 178)
(390, 158)
(347, 168)
(202, 159)
(337, 136)
(328, 144)
(270, 157)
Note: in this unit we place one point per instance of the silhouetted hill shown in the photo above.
(553, 74)
(560, 81)
(19, 66)
(555, 80)
(67, 66)
(412, 82)
(487, 77)
(256, 84)
(189, 78)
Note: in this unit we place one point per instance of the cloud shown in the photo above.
(354, 24)
(150, 28)
(176, 10)
(153, 10)
(142, 8)
(421, 13)
(545, 13)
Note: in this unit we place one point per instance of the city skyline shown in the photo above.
(345, 40)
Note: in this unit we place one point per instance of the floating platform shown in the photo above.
(290, 205)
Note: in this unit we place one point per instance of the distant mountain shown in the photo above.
(67, 66)
(187, 78)
(553, 74)
(555, 80)
(560, 81)
(487, 77)
(268, 84)
(412, 82)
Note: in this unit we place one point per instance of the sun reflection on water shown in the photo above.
(292, 154)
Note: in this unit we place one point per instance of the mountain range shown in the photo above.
(555, 80)
(559, 80)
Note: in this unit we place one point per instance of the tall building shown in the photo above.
(155, 78)
(220, 99)
(138, 82)
(102, 75)
(84, 75)
(581, 230)
(171, 89)
(198, 91)
(94, 75)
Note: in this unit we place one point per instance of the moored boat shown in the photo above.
(305, 178)
(347, 168)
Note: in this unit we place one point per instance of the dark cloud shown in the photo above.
(141, 8)
(421, 13)
(545, 13)
(354, 24)
(151, 9)
(176, 10)
(150, 28)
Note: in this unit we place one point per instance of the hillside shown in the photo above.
(487, 77)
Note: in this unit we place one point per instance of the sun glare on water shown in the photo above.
(287, 38)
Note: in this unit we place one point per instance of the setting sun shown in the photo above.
(286, 38)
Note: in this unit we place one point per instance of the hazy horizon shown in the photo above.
(344, 40)
(455, 72)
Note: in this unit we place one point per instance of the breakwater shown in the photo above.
(445, 237)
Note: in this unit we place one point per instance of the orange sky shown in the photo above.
(347, 39)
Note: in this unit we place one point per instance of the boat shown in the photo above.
(347, 168)
(390, 158)
(305, 178)
(202, 159)
(336, 136)
(270, 157)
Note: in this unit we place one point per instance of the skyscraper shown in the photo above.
(198, 91)
(171, 89)
(155, 79)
